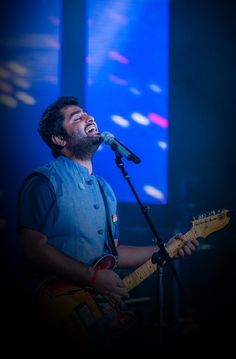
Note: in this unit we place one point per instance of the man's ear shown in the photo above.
(58, 140)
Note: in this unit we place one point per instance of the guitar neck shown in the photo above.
(145, 270)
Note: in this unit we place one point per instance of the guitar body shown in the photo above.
(80, 312)
(88, 317)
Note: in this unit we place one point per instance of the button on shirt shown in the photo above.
(64, 202)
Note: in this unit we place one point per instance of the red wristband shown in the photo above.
(92, 280)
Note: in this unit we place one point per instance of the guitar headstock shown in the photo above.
(214, 221)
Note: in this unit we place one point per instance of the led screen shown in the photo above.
(127, 91)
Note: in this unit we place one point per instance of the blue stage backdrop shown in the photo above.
(127, 90)
(29, 80)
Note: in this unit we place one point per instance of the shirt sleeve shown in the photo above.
(36, 197)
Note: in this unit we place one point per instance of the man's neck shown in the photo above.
(85, 163)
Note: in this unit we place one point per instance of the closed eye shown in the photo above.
(78, 116)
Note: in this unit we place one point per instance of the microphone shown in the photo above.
(109, 139)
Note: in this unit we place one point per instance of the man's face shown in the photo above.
(78, 123)
(84, 137)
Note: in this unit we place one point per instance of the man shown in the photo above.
(68, 215)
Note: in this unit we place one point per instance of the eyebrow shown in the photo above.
(75, 113)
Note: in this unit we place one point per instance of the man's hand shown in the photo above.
(109, 284)
(189, 246)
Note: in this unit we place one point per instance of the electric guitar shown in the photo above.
(85, 313)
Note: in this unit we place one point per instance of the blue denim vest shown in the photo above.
(77, 224)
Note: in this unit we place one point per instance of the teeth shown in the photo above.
(90, 128)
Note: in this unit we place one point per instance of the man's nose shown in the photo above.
(89, 119)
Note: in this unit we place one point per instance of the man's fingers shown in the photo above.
(195, 242)
(187, 250)
(181, 252)
(191, 246)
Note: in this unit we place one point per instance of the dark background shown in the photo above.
(201, 171)
(201, 179)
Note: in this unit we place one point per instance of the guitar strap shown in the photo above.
(111, 241)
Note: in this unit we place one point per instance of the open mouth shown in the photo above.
(91, 130)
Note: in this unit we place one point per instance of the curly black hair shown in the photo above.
(52, 119)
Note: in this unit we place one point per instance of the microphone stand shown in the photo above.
(159, 258)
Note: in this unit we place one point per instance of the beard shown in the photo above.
(84, 147)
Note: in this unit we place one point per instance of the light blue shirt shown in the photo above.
(65, 203)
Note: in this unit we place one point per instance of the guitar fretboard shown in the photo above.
(145, 270)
